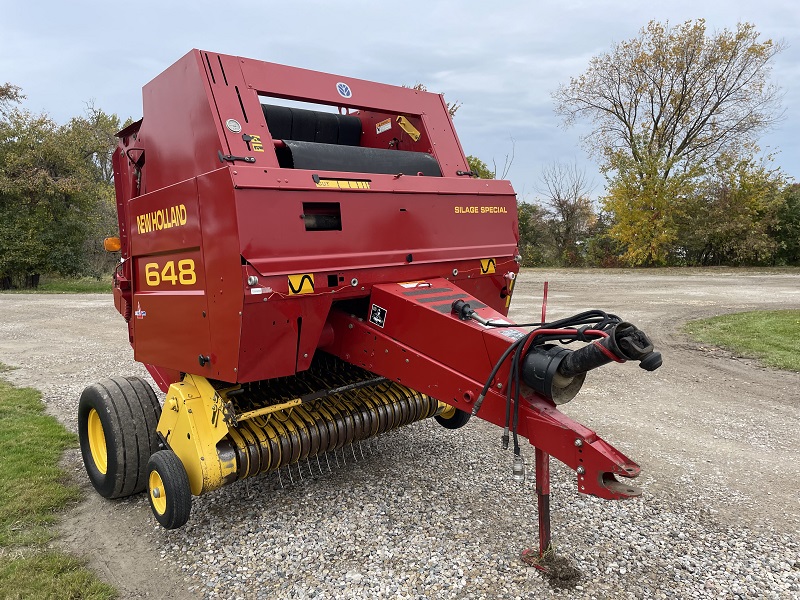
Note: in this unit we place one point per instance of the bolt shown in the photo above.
(349, 325)
(305, 355)
(406, 360)
(579, 442)
(455, 272)
(499, 386)
(580, 470)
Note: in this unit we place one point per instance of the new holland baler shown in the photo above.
(307, 262)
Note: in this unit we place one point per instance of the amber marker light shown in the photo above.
(112, 244)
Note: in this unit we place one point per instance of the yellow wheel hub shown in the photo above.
(448, 412)
(157, 495)
(97, 442)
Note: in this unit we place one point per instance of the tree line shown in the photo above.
(57, 199)
(747, 216)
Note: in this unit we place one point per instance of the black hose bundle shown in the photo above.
(564, 331)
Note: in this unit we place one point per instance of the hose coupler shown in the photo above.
(540, 370)
(558, 373)
(624, 342)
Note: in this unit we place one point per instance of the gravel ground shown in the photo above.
(431, 513)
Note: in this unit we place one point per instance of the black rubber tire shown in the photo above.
(175, 489)
(457, 421)
(129, 411)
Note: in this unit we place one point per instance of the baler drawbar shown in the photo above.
(308, 262)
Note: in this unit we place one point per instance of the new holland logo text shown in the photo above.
(163, 218)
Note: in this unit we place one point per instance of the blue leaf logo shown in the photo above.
(344, 90)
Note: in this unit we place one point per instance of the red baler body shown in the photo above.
(235, 219)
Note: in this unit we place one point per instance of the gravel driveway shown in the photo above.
(435, 514)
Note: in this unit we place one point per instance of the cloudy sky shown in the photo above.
(500, 59)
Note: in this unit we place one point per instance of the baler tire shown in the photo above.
(169, 493)
(117, 419)
(457, 421)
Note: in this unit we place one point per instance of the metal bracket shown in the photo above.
(232, 158)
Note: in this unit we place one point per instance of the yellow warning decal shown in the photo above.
(344, 184)
(406, 126)
(302, 283)
(487, 266)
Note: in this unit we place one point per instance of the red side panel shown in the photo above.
(180, 131)
(169, 282)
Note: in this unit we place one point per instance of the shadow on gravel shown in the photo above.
(558, 571)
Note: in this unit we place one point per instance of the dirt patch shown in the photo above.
(557, 569)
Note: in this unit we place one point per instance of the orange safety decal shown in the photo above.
(487, 266)
(302, 283)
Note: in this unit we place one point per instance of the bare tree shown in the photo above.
(507, 161)
(675, 97)
(566, 193)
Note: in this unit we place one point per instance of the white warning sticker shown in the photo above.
(414, 284)
(512, 334)
(496, 322)
(383, 126)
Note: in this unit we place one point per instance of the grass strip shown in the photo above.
(32, 490)
(50, 575)
(52, 284)
(772, 336)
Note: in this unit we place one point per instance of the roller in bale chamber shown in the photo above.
(277, 423)
(299, 281)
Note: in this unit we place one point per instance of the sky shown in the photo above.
(501, 60)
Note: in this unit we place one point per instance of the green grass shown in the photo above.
(51, 284)
(32, 490)
(772, 336)
(51, 575)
